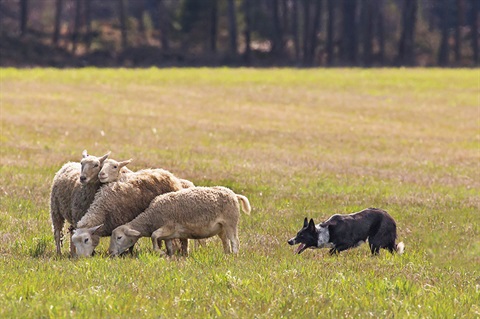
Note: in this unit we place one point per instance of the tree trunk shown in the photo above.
(306, 27)
(76, 25)
(232, 27)
(57, 22)
(88, 24)
(317, 8)
(367, 22)
(123, 22)
(213, 26)
(443, 56)
(379, 24)
(248, 22)
(458, 30)
(23, 17)
(277, 42)
(474, 31)
(349, 38)
(406, 46)
(164, 25)
(330, 32)
(296, 41)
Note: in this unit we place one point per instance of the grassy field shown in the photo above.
(297, 143)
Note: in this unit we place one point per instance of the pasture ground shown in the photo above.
(297, 143)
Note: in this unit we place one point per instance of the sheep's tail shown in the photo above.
(400, 248)
(245, 204)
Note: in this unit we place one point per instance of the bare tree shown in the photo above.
(458, 29)
(474, 25)
(443, 56)
(232, 27)
(88, 24)
(367, 31)
(23, 17)
(248, 22)
(123, 22)
(277, 41)
(213, 25)
(330, 31)
(349, 34)
(295, 35)
(76, 25)
(164, 25)
(57, 22)
(380, 30)
(407, 38)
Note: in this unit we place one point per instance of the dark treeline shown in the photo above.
(365, 33)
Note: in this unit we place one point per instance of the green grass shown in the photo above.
(297, 143)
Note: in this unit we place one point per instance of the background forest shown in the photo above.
(139, 33)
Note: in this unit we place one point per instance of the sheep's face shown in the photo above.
(85, 241)
(123, 237)
(91, 166)
(111, 170)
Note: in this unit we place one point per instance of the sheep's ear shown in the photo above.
(104, 157)
(84, 154)
(132, 232)
(94, 229)
(124, 163)
(305, 222)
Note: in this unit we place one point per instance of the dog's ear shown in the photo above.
(305, 222)
(311, 224)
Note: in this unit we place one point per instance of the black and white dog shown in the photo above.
(341, 232)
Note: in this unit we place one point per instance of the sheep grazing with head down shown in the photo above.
(113, 171)
(118, 203)
(198, 212)
(73, 190)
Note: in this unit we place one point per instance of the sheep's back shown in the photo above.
(197, 205)
(118, 203)
(66, 180)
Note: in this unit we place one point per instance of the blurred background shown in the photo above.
(261, 33)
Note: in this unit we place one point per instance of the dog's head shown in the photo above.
(310, 237)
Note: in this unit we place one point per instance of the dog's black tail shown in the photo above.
(400, 248)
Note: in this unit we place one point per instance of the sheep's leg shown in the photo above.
(73, 250)
(184, 246)
(160, 234)
(156, 244)
(232, 235)
(225, 241)
(58, 222)
(200, 242)
(169, 246)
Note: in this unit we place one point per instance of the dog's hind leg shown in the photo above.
(374, 249)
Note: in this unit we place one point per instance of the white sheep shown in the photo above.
(198, 212)
(73, 190)
(113, 171)
(118, 203)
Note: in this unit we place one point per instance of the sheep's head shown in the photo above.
(91, 166)
(111, 170)
(85, 240)
(123, 237)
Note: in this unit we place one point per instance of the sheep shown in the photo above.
(118, 203)
(113, 171)
(73, 190)
(198, 212)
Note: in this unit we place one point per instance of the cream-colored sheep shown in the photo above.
(113, 171)
(118, 203)
(198, 212)
(73, 190)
